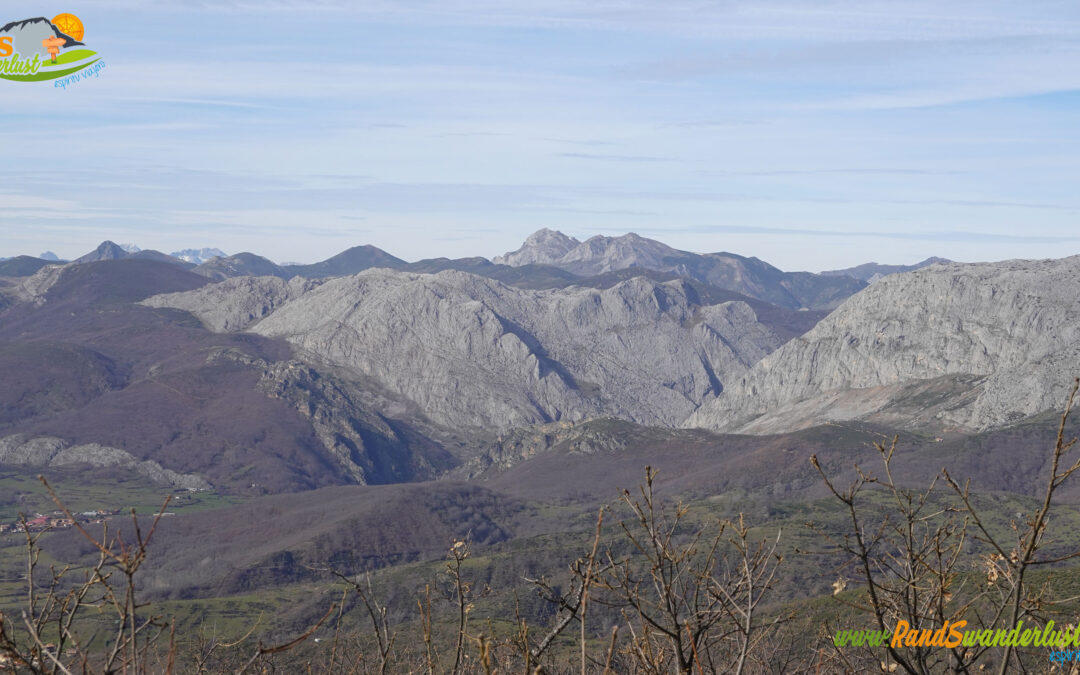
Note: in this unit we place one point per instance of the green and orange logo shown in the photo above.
(35, 50)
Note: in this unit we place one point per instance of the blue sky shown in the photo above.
(811, 134)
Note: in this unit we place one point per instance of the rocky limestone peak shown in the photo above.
(1002, 341)
(34, 287)
(548, 237)
(473, 353)
(541, 247)
(748, 276)
(45, 451)
(235, 303)
(607, 254)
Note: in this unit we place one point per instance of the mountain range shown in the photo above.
(365, 368)
(547, 258)
(367, 412)
(748, 276)
(871, 272)
(367, 346)
(107, 250)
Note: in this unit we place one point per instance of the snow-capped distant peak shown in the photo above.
(198, 255)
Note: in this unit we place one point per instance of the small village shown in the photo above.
(56, 520)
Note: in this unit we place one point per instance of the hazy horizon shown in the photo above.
(488, 255)
(810, 136)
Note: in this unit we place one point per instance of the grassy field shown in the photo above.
(22, 493)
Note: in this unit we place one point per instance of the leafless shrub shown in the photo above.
(915, 564)
(96, 624)
(689, 598)
(658, 592)
(50, 642)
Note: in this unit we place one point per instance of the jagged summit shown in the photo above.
(510, 356)
(542, 247)
(749, 276)
(198, 256)
(600, 254)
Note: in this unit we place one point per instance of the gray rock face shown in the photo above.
(235, 303)
(542, 247)
(599, 254)
(471, 352)
(595, 255)
(976, 346)
(34, 288)
(364, 444)
(519, 445)
(49, 451)
(748, 276)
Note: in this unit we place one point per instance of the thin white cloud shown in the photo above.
(874, 116)
(24, 203)
(615, 158)
(739, 19)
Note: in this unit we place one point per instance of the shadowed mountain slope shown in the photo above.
(235, 409)
(21, 266)
(354, 260)
(241, 265)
